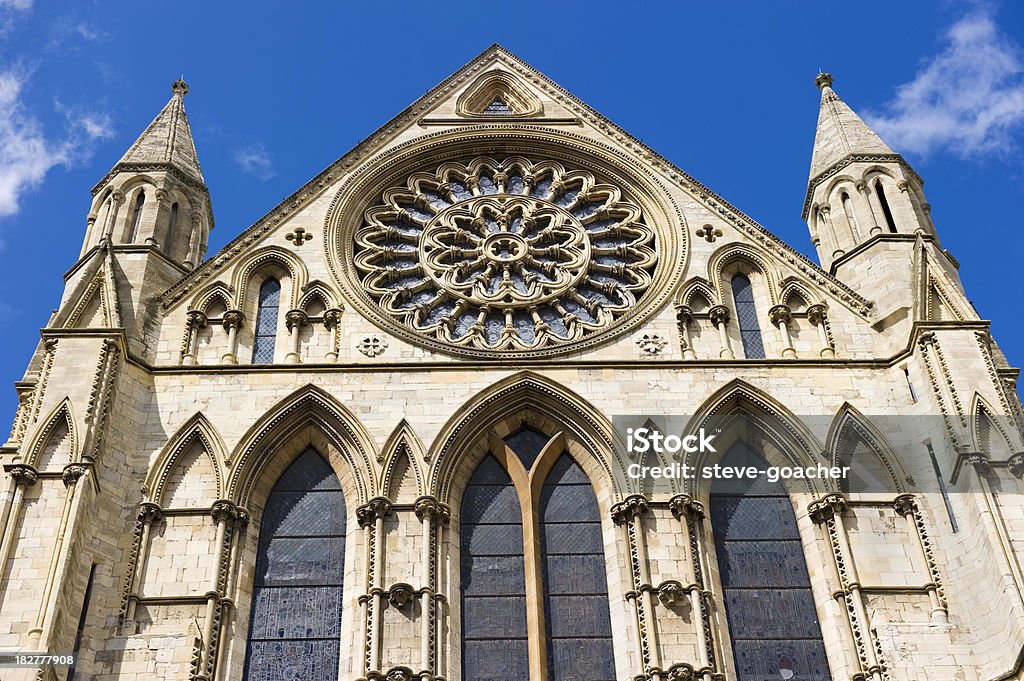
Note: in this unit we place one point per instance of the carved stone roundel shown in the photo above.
(508, 255)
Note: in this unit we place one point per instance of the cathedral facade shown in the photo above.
(374, 437)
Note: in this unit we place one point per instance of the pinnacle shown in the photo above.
(168, 139)
(840, 132)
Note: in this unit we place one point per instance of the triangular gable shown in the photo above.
(530, 81)
(94, 303)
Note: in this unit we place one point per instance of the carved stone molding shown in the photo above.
(779, 314)
(234, 319)
(375, 508)
(816, 314)
(1015, 464)
(719, 314)
(683, 505)
(72, 473)
(399, 595)
(628, 509)
(430, 507)
(148, 513)
(22, 473)
(826, 508)
(332, 318)
(294, 318)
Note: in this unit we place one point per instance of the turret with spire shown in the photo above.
(866, 211)
(155, 195)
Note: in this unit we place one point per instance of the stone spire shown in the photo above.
(168, 139)
(840, 132)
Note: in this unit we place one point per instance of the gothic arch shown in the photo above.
(473, 102)
(215, 292)
(60, 417)
(317, 289)
(757, 262)
(848, 419)
(401, 456)
(269, 257)
(525, 398)
(308, 417)
(792, 288)
(988, 434)
(697, 286)
(196, 430)
(782, 438)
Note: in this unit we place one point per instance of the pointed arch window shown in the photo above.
(746, 317)
(140, 201)
(172, 225)
(570, 605)
(265, 333)
(885, 206)
(851, 217)
(769, 605)
(295, 619)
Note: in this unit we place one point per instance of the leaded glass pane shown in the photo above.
(527, 444)
(295, 619)
(265, 329)
(746, 317)
(576, 611)
(494, 637)
(768, 599)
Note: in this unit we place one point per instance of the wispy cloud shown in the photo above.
(255, 160)
(27, 153)
(16, 4)
(968, 99)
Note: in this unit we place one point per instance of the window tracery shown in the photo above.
(510, 255)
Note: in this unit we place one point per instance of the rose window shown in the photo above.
(511, 255)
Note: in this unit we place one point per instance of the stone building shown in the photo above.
(372, 437)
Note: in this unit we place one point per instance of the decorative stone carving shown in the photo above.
(372, 346)
(233, 319)
(378, 507)
(683, 505)
(826, 508)
(1015, 464)
(429, 507)
(295, 318)
(299, 236)
(510, 256)
(681, 672)
(709, 233)
(671, 592)
(332, 318)
(779, 314)
(629, 508)
(23, 474)
(719, 314)
(651, 343)
(71, 473)
(148, 513)
(905, 504)
(400, 594)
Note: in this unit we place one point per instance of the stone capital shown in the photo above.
(683, 315)
(826, 508)
(719, 314)
(294, 318)
(925, 339)
(817, 314)
(905, 504)
(224, 510)
(233, 319)
(779, 314)
(683, 505)
(23, 474)
(431, 508)
(629, 508)
(1015, 464)
(148, 512)
(72, 473)
(196, 319)
(375, 508)
(332, 318)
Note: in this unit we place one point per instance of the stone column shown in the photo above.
(233, 320)
(194, 321)
(148, 514)
(22, 477)
(432, 514)
(628, 513)
(116, 200)
(906, 506)
(780, 316)
(371, 518)
(829, 510)
(158, 211)
(863, 193)
(719, 316)
(192, 257)
(332, 322)
(294, 320)
(225, 514)
(690, 513)
(817, 315)
(826, 216)
(683, 316)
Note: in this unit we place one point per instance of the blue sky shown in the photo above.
(724, 90)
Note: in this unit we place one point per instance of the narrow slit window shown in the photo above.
(910, 385)
(265, 333)
(746, 317)
(851, 216)
(942, 487)
(885, 206)
(140, 200)
(81, 621)
(172, 224)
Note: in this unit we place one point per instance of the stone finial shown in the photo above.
(823, 80)
(179, 87)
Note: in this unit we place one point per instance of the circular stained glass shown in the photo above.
(507, 255)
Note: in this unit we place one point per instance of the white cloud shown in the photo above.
(27, 153)
(255, 160)
(969, 99)
(16, 4)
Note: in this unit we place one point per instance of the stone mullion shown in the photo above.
(371, 516)
(830, 510)
(627, 513)
(69, 514)
(691, 514)
(147, 515)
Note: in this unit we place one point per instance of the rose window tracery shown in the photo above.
(509, 255)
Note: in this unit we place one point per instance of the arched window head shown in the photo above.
(746, 317)
(265, 333)
(140, 200)
(295, 618)
(172, 224)
(769, 605)
(885, 206)
(851, 217)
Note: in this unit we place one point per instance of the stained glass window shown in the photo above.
(527, 444)
(768, 600)
(577, 618)
(494, 639)
(295, 620)
(265, 332)
(746, 317)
